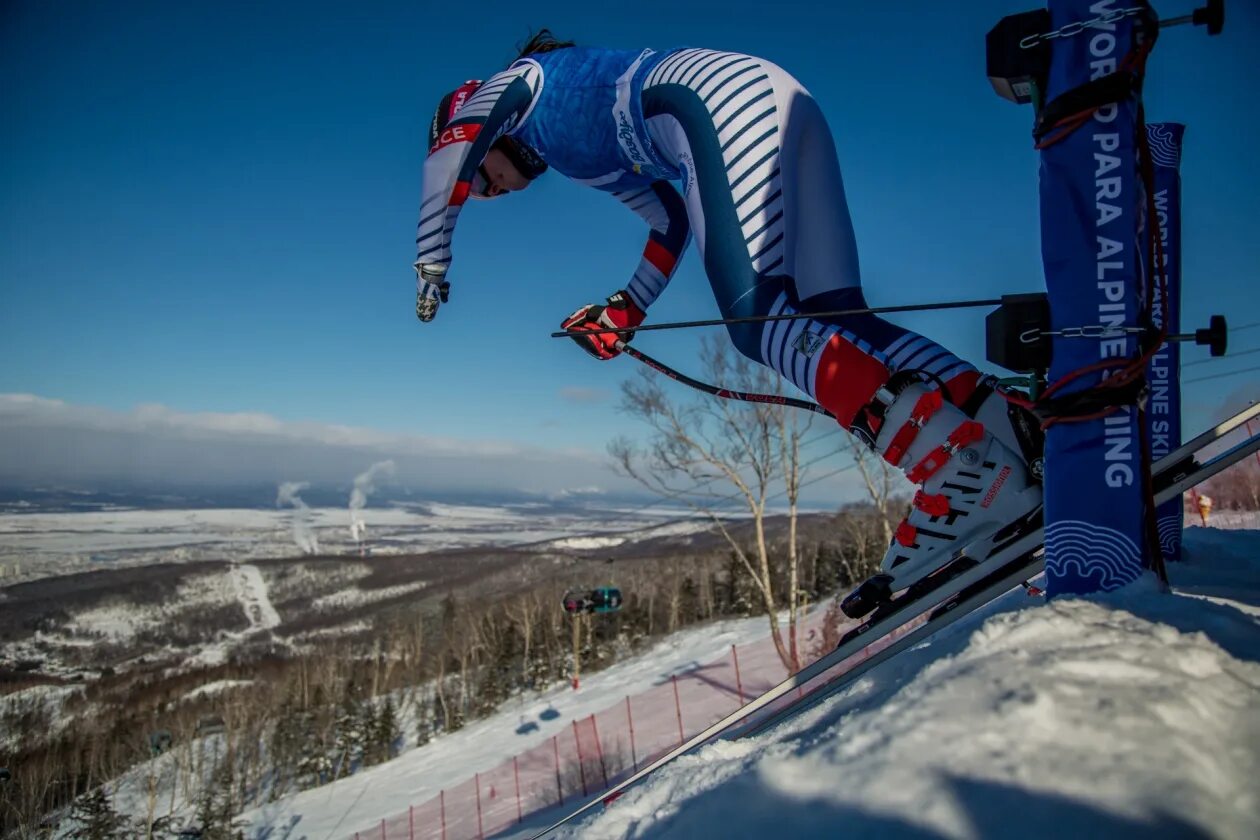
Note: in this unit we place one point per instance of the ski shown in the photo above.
(953, 599)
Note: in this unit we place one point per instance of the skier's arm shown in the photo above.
(496, 108)
(660, 205)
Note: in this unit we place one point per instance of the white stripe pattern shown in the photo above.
(648, 281)
(738, 93)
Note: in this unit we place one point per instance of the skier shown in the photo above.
(762, 195)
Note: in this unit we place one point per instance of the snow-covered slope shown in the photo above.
(336, 810)
(1131, 714)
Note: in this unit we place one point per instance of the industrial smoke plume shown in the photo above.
(302, 533)
(365, 484)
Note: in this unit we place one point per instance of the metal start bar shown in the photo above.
(1212, 16)
(1016, 330)
(754, 319)
(1215, 335)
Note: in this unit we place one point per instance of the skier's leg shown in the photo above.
(766, 205)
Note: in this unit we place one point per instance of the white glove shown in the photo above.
(432, 288)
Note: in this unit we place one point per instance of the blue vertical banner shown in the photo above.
(1163, 407)
(1091, 209)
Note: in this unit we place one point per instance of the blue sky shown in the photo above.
(211, 206)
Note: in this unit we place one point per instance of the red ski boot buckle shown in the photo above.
(968, 432)
(906, 534)
(928, 404)
(933, 504)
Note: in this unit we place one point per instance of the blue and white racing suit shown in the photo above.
(761, 192)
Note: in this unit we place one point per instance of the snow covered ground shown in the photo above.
(1130, 714)
(251, 591)
(336, 810)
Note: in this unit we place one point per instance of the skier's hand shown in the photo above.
(432, 289)
(620, 311)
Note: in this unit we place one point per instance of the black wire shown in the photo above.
(1220, 375)
(1222, 358)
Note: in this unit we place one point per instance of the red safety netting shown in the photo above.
(592, 753)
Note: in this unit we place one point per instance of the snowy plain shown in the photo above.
(41, 544)
(1121, 715)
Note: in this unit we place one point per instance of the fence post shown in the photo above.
(738, 682)
(629, 717)
(442, 801)
(383, 829)
(516, 774)
(411, 823)
(581, 760)
(599, 751)
(678, 709)
(480, 834)
(555, 745)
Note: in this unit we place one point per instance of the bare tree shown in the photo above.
(701, 449)
(1237, 488)
(881, 481)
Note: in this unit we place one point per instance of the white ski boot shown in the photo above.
(978, 471)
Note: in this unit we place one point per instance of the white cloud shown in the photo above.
(45, 440)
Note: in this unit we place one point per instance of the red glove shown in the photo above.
(620, 311)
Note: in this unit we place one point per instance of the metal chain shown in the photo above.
(1087, 331)
(1076, 27)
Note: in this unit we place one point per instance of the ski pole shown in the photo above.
(724, 393)
(756, 319)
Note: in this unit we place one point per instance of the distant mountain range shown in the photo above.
(67, 499)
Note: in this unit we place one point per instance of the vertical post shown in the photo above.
(678, 710)
(599, 751)
(1092, 204)
(739, 684)
(581, 759)
(634, 758)
(383, 837)
(480, 832)
(577, 649)
(516, 773)
(555, 746)
(442, 801)
(411, 823)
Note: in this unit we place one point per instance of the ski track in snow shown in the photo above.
(251, 590)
